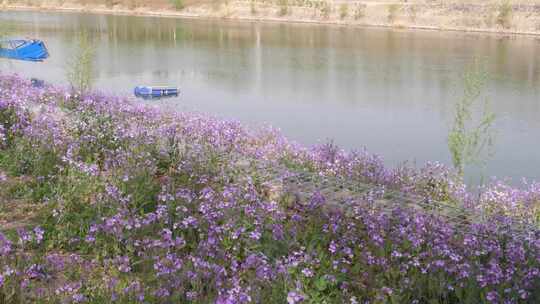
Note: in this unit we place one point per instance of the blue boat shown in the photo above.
(147, 92)
(37, 83)
(29, 50)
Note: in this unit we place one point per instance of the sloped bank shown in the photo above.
(136, 205)
(501, 17)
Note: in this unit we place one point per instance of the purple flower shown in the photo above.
(307, 272)
(39, 232)
(294, 297)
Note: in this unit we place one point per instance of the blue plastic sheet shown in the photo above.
(29, 50)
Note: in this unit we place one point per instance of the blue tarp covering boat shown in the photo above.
(30, 50)
(155, 92)
(37, 83)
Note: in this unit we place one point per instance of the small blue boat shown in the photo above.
(37, 83)
(147, 92)
(29, 50)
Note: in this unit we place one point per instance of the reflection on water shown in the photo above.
(390, 91)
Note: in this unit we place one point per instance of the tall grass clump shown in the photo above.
(392, 12)
(253, 7)
(504, 16)
(325, 9)
(177, 4)
(359, 11)
(470, 139)
(80, 65)
(283, 7)
(343, 11)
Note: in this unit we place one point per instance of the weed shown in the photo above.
(343, 11)
(325, 9)
(468, 139)
(359, 11)
(253, 7)
(177, 4)
(504, 18)
(283, 7)
(80, 66)
(392, 11)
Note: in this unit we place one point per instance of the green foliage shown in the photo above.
(343, 11)
(27, 158)
(326, 9)
(504, 17)
(253, 7)
(80, 66)
(392, 12)
(469, 139)
(73, 208)
(359, 11)
(177, 4)
(283, 7)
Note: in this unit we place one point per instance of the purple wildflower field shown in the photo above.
(127, 203)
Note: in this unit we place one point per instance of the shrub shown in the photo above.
(325, 9)
(253, 7)
(468, 139)
(392, 12)
(359, 11)
(80, 65)
(343, 11)
(283, 7)
(504, 17)
(177, 4)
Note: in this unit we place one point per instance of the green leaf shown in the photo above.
(321, 284)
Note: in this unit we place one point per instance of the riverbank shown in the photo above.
(103, 199)
(512, 17)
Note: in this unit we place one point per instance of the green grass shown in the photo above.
(343, 11)
(504, 17)
(177, 4)
(283, 7)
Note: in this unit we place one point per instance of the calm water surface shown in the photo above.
(390, 91)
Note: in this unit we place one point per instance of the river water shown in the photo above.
(390, 91)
